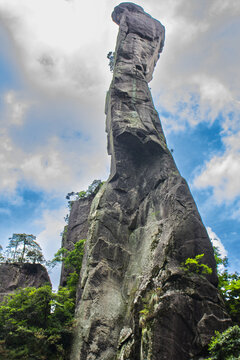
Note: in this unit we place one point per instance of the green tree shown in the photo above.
(94, 187)
(72, 261)
(91, 190)
(36, 324)
(35, 256)
(2, 258)
(111, 58)
(226, 345)
(12, 248)
(24, 248)
(229, 287)
(195, 265)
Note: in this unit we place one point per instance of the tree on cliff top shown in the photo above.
(24, 248)
(91, 190)
(36, 323)
(1, 256)
(111, 58)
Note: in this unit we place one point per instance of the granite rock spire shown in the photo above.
(136, 301)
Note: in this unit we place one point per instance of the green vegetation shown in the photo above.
(36, 323)
(194, 265)
(91, 190)
(229, 287)
(1, 255)
(23, 248)
(226, 346)
(72, 261)
(228, 284)
(150, 303)
(111, 58)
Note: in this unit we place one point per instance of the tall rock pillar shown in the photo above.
(137, 302)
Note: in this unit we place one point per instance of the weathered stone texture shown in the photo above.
(136, 301)
(21, 275)
(76, 229)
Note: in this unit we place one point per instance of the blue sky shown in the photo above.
(53, 79)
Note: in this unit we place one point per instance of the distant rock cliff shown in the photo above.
(137, 302)
(76, 229)
(21, 275)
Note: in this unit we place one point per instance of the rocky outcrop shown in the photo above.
(76, 229)
(137, 302)
(21, 275)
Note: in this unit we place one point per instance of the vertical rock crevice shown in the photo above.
(136, 302)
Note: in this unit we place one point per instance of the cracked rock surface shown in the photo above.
(21, 275)
(136, 301)
(76, 230)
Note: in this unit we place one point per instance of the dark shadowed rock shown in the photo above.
(21, 275)
(136, 301)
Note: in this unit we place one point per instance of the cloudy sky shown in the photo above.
(54, 76)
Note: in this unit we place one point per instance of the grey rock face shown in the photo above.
(136, 301)
(76, 229)
(21, 275)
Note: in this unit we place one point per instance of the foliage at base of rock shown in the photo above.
(229, 288)
(226, 346)
(36, 324)
(72, 261)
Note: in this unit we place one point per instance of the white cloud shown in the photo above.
(59, 51)
(15, 108)
(224, 6)
(5, 211)
(52, 222)
(236, 212)
(51, 168)
(197, 78)
(217, 242)
(222, 172)
(61, 47)
(45, 169)
(55, 171)
(57, 44)
(52, 152)
(9, 171)
(215, 98)
(63, 63)
(49, 238)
